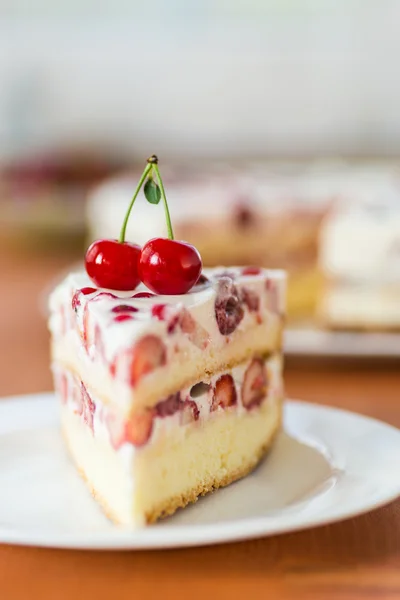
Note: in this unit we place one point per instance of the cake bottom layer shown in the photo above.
(159, 478)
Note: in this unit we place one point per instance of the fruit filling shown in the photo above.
(243, 388)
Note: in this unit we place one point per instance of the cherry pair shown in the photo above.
(164, 265)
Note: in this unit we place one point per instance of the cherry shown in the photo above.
(112, 264)
(168, 266)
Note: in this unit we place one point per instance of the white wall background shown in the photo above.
(202, 77)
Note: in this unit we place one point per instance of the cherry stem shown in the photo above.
(156, 170)
(128, 212)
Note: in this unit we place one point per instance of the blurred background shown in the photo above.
(297, 102)
(200, 77)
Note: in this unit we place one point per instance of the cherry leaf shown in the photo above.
(152, 192)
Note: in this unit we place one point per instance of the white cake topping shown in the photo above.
(94, 310)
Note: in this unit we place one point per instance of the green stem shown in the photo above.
(167, 215)
(128, 212)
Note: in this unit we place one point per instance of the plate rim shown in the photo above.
(180, 536)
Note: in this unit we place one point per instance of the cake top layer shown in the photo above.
(225, 301)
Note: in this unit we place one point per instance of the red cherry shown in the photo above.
(112, 264)
(168, 266)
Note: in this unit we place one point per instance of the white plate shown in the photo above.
(329, 465)
(309, 341)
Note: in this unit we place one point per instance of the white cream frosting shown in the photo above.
(117, 336)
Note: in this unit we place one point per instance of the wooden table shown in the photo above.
(359, 558)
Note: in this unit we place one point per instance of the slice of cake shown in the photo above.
(165, 398)
(170, 378)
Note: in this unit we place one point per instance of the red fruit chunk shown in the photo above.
(251, 271)
(224, 392)
(138, 429)
(143, 295)
(114, 265)
(169, 266)
(88, 407)
(87, 290)
(148, 354)
(228, 306)
(255, 384)
(103, 295)
(124, 308)
(159, 311)
(196, 333)
(169, 406)
(189, 412)
(120, 318)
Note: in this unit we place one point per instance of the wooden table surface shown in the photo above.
(358, 558)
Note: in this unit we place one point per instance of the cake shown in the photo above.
(170, 383)
(360, 262)
(165, 398)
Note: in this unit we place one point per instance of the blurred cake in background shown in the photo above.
(333, 226)
(42, 197)
(360, 260)
(263, 215)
